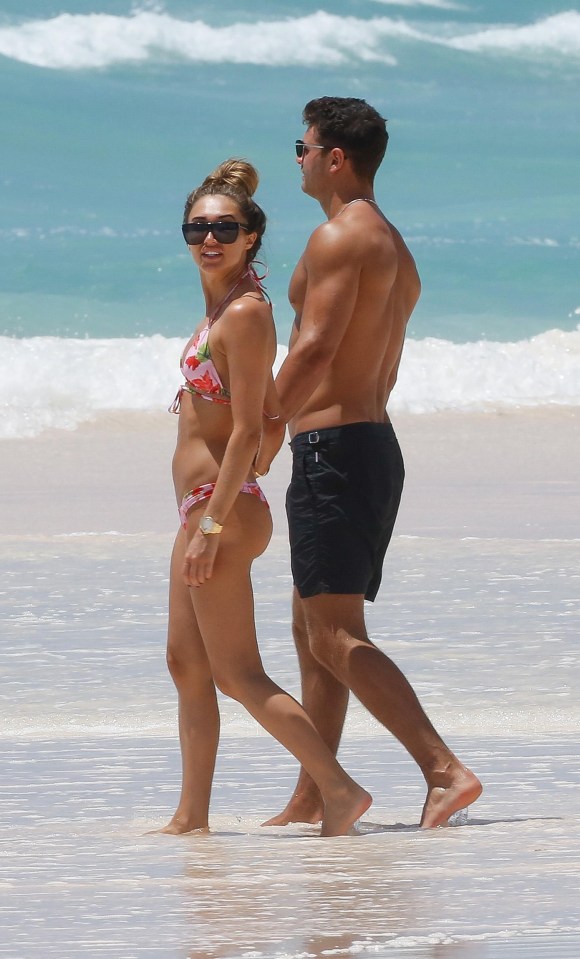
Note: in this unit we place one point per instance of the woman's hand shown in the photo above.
(199, 558)
(273, 433)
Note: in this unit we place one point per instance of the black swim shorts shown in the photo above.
(342, 504)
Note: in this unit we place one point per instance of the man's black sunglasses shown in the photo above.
(302, 147)
(224, 231)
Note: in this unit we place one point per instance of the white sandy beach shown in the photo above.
(511, 474)
(480, 607)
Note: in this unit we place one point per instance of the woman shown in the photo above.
(225, 520)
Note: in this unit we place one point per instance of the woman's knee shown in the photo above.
(175, 663)
(229, 684)
(236, 684)
(178, 667)
(185, 667)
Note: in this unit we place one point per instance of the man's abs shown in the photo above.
(356, 386)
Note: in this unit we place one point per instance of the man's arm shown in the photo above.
(273, 431)
(332, 283)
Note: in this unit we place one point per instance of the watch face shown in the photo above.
(209, 525)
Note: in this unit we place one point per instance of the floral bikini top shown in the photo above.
(202, 378)
(198, 368)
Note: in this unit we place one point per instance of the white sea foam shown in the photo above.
(48, 382)
(98, 40)
(438, 4)
(559, 34)
(439, 375)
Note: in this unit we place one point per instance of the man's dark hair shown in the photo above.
(354, 126)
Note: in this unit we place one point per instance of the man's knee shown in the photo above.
(313, 636)
(335, 615)
(299, 625)
(321, 643)
(300, 634)
(334, 624)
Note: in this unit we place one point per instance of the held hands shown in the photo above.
(273, 432)
(199, 558)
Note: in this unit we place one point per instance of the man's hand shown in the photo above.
(273, 432)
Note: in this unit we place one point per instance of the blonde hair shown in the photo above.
(238, 180)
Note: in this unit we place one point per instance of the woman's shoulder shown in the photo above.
(245, 327)
(249, 313)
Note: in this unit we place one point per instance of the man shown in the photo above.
(353, 292)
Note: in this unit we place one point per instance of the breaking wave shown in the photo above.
(99, 41)
(75, 380)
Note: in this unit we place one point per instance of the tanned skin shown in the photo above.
(212, 643)
(353, 292)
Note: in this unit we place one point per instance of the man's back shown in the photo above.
(358, 267)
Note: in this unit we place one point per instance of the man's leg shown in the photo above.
(325, 699)
(338, 640)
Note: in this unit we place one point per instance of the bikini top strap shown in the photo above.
(258, 280)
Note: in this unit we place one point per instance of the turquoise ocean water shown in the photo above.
(111, 112)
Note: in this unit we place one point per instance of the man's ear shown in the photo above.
(337, 159)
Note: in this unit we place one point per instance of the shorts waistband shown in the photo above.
(330, 433)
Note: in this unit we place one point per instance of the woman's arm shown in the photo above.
(247, 339)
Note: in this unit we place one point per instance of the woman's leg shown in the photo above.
(224, 609)
(325, 699)
(198, 713)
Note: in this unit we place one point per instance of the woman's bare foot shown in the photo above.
(180, 825)
(302, 807)
(342, 811)
(459, 788)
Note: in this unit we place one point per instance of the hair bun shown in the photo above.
(236, 173)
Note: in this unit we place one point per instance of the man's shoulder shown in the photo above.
(332, 241)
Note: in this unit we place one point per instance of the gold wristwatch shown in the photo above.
(208, 525)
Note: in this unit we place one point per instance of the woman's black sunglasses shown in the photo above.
(224, 231)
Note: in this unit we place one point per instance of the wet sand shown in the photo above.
(481, 474)
(480, 607)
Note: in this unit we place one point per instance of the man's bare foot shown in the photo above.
(304, 808)
(341, 812)
(443, 801)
